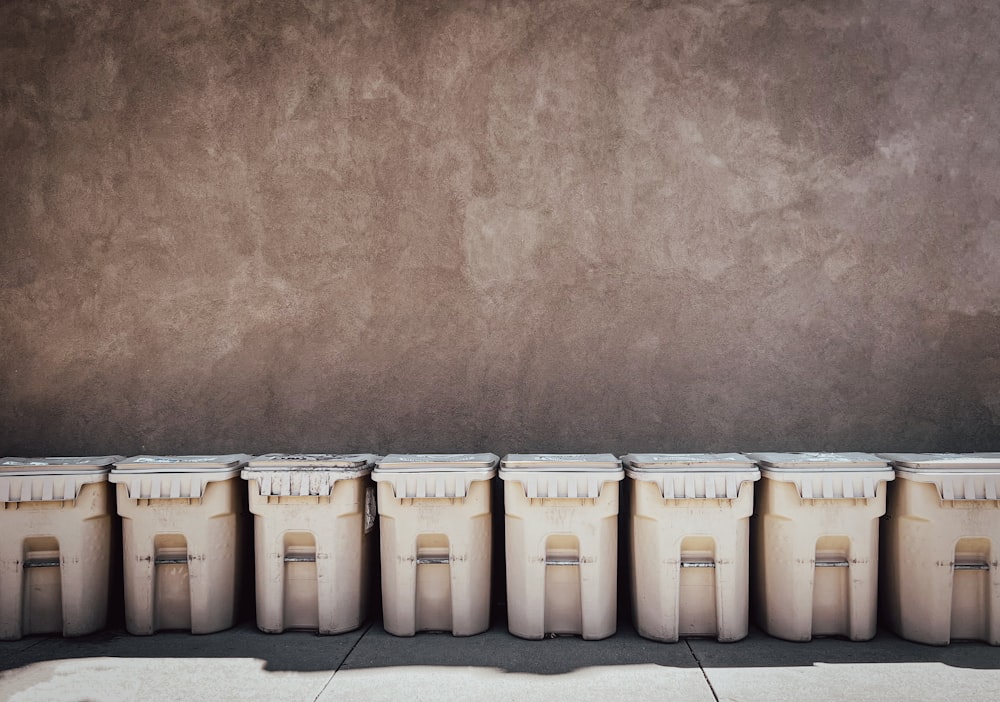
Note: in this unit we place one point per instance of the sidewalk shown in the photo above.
(245, 664)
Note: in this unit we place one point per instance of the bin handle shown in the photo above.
(971, 566)
(309, 558)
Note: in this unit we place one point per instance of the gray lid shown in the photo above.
(57, 465)
(941, 462)
(181, 464)
(312, 461)
(574, 462)
(819, 461)
(682, 462)
(437, 462)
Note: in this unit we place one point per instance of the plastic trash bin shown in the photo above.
(562, 543)
(55, 548)
(690, 537)
(816, 543)
(182, 540)
(436, 529)
(314, 514)
(941, 545)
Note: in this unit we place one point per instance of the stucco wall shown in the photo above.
(535, 226)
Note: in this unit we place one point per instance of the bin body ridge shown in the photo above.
(562, 568)
(798, 595)
(55, 551)
(182, 539)
(435, 522)
(816, 542)
(313, 521)
(330, 549)
(941, 538)
(435, 573)
(561, 522)
(690, 531)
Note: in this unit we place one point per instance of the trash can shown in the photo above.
(182, 540)
(314, 514)
(941, 544)
(436, 529)
(816, 543)
(690, 536)
(55, 549)
(561, 516)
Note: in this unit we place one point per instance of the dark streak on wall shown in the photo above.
(499, 226)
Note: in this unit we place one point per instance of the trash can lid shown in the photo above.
(312, 461)
(57, 465)
(181, 464)
(819, 461)
(944, 462)
(558, 462)
(401, 462)
(687, 462)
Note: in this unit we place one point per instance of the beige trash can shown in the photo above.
(941, 545)
(182, 540)
(690, 535)
(314, 514)
(436, 531)
(816, 543)
(55, 545)
(562, 543)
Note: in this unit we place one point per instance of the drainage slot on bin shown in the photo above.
(971, 566)
(832, 564)
(697, 564)
(41, 562)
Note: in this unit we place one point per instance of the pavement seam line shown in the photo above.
(28, 648)
(343, 660)
(702, 669)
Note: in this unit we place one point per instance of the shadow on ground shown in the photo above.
(371, 647)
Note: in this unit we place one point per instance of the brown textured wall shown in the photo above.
(499, 226)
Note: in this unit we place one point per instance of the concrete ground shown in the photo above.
(245, 664)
